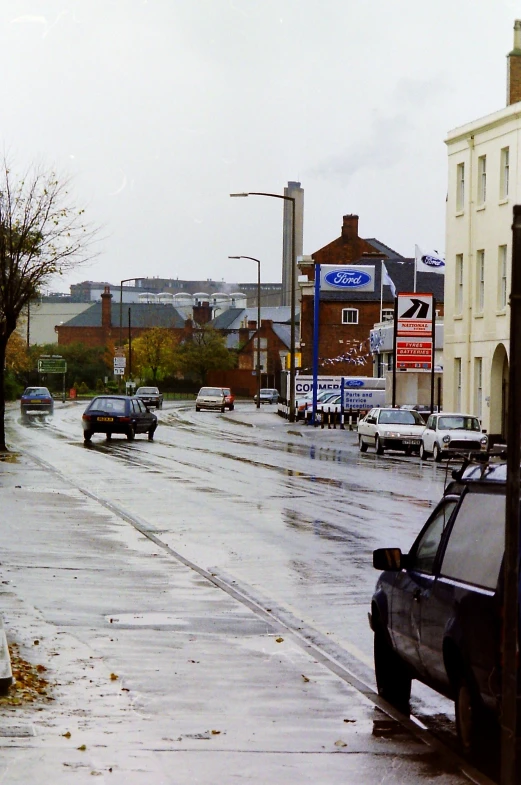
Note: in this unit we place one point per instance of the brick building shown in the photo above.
(100, 324)
(346, 317)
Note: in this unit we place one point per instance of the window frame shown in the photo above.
(504, 174)
(460, 187)
(480, 280)
(482, 179)
(345, 311)
(478, 385)
(502, 269)
(453, 500)
(459, 285)
(458, 382)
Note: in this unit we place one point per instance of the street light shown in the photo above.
(292, 301)
(253, 259)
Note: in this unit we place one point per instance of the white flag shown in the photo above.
(428, 262)
(387, 280)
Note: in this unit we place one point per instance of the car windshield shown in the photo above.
(458, 423)
(147, 391)
(37, 391)
(109, 405)
(267, 392)
(211, 391)
(227, 391)
(400, 417)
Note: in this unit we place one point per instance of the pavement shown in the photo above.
(267, 418)
(155, 674)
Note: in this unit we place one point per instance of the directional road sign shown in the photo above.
(52, 365)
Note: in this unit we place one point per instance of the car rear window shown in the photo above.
(109, 405)
(476, 543)
(147, 391)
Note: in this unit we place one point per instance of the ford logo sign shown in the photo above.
(347, 279)
(433, 261)
(353, 383)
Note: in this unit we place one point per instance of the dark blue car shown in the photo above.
(36, 400)
(436, 611)
(121, 414)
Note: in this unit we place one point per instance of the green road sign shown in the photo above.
(52, 365)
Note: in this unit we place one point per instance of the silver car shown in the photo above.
(210, 398)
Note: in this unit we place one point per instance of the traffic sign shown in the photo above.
(119, 371)
(415, 314)
(120, 362)
(52, 365)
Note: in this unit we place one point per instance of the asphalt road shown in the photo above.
(284, 518)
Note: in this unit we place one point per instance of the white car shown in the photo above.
(390, 429)
(210, 398)
(447, 432)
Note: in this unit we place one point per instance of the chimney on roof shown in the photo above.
(514, 67)
(350, 227)
(106, 308)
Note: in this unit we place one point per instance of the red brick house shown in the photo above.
(346, 317)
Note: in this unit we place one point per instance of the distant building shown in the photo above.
(293, 190)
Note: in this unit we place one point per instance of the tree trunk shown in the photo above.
(3, 346)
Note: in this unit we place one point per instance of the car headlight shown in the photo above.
(483, 441)
(391, 434)
(446, 439)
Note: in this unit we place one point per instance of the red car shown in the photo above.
(229, 398)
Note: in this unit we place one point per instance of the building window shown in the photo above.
(482, 179)
(480, 280)
(460, 187)
(478, 376)
(505, 173)
(457, 384)
(349, 315)
(387, 314)
(502, 266)
(459, 284)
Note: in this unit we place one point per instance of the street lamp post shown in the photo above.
(293, 297)
(253, 259)
(125, 280)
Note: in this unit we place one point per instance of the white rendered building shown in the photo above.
(484, 184)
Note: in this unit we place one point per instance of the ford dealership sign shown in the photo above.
(348, 279)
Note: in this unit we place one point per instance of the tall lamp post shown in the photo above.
(125, 280)
(293, 297)
(258, 371)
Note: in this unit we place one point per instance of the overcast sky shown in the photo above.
(161, 108)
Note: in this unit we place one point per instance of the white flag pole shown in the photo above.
(381, 286)
(415, 263)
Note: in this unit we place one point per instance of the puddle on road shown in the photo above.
(233, 627)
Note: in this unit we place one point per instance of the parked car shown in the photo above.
(35, 400)
(267, 395)
(229, 398)
(150, 396)
(110, 414)
(390, 429)
(436, 611)
(423, 411)
(210, 398)
(446, 432)
(306, 404)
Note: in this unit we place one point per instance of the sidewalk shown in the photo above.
(158, 676)
(268, 419)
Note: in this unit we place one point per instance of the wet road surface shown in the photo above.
(287, 521)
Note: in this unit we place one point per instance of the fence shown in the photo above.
(327, 417)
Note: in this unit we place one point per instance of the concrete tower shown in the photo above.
(295, 191)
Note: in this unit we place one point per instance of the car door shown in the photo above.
(369, 426)
(428, 434)
(413, 583)
(138, 415)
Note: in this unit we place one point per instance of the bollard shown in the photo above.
(329, 419)
(6, 674)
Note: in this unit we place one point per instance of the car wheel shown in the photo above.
(393, 678)
(378, 446)
(131, 433)
(470, 715)
(197, 409)
(423, 452)
(87, 436)
(436, 453)
(108, 437)
(160, 405)
(232, 407)
(362, 445)
(151, 433)
(223, 409)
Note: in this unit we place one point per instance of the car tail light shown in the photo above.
(86, 417)
(46, 400)
(123, 419)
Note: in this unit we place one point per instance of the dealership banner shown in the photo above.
(341, 278)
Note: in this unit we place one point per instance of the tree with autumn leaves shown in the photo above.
(41, 234)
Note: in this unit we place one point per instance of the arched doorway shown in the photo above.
(499, 391)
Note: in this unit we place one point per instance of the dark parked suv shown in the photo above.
(436, 611)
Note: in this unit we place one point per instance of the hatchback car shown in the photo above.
(395, 429)
(150, 396)
(267, 395)
(446, 433)
(35, 400)
(210, 398)
(123, 414)
(436, 611)
(229, 398)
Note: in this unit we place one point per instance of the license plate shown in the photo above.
(34, 400)
(410, 441)
(105, 419)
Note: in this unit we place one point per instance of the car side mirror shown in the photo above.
(389, 559)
